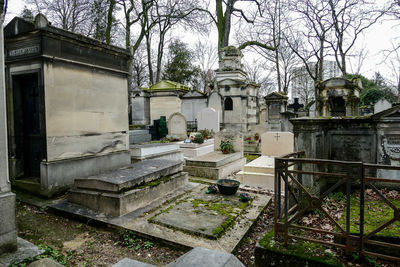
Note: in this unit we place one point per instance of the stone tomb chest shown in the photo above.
(67, 105)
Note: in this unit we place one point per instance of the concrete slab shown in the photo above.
(215, 172)
(227, 242)
(45, 263)
(214, 159)
(206, 257)
(132, 263)
(148, 150)
(262, 164)
(256, 179)
(128, 177)
(207, 142)
(199, 215)
(138, 220)
(25, 250)
(196, 152)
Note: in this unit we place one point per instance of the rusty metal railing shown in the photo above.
(295, 197)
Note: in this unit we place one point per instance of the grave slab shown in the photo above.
(25, 250)
(156, 151)
(132, 263)
(138, 220)
(128, 177)
(206, 257)
(214, 159)
(118, 204)
(192, 150)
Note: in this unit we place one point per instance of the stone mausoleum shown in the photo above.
(67, 106)
(338, 97)
(234, 96)
(160, 99)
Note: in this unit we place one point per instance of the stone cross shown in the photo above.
(277, 136)
(296, 105)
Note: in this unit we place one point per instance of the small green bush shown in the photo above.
(198, 139)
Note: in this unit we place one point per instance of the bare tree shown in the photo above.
(205, 56)
(349, 19)
(259, 72)
(392, 61)
(69, 15)
(140, 75)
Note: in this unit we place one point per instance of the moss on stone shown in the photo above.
(302, 249)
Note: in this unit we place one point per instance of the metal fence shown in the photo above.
(296, 197)
(192, 126)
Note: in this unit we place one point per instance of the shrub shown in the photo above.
(198, 139)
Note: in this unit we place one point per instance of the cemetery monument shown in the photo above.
(67, 106)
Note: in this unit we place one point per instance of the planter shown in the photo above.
(227, 186)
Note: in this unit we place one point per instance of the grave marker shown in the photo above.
(276, 143)
(177, 125)
(208, 118)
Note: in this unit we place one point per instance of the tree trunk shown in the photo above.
(109, 21)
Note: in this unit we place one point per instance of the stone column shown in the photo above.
(8, 233)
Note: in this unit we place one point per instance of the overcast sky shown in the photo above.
(376, 39)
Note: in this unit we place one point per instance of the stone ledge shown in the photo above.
(118, 204)
(218, 172)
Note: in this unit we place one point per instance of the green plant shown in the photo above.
(198, 139)
(226, 147)
(207, 133)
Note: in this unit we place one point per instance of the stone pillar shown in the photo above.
(8, 233)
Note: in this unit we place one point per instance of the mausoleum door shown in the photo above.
(337, 106)
(28, 136)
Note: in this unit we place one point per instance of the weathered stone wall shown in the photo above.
(350, 139)
(140, 110)
(164, 106)
(86, 111)
(192, 106)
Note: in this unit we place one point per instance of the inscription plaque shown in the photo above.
(24, 51)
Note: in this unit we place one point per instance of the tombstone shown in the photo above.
(263, 115)
(235, 138)
(67, 106)
(214, 101)
(276, 108)
(276, 144)
(192, 103)
(382, 105)
(208, 118)
(177, 126)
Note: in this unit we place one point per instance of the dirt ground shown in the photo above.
(74, 243)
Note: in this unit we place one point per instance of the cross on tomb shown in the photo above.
(277, 136)
(296, 105)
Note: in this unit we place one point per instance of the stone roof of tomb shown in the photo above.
(275, 96)
(392, 113)
(165, 86)
(340, 83)
(19, 27)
